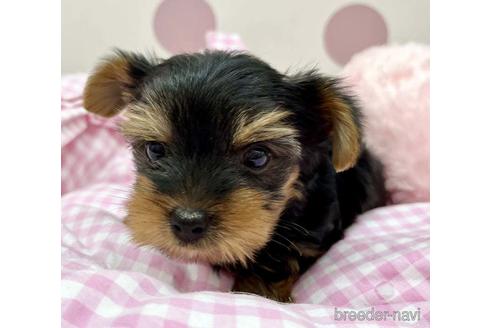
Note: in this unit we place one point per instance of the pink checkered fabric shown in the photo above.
(224, 41)
(107, 281)
(92, 149)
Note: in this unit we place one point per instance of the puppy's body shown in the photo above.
(310, 226)
(238, 165)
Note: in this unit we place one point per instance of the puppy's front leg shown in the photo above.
(278, 291)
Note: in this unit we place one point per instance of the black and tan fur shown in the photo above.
(207, 112)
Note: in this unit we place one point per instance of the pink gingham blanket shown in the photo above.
(107, 281)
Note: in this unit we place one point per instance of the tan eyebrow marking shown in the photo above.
(146, 122)
(262, 127)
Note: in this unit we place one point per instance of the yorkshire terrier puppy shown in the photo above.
(238, 165)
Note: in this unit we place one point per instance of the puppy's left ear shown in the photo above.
(340, 116)
(115, 82)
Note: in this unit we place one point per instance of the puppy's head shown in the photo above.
(220, 142)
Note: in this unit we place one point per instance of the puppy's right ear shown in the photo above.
(114, 82)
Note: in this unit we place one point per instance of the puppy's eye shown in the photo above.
(256, 158)
(155, 150)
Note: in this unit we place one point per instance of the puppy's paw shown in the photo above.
(278, 291)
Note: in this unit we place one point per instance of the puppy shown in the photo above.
(238, 165)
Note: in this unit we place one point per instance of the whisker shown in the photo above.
(290, 242)
(278, 242)
(299, 227)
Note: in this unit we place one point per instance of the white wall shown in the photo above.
(286, 33)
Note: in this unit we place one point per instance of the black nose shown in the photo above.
(188, 224)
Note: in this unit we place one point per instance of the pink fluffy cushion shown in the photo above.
(392, 83)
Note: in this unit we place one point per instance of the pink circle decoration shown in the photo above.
(353, 29)
(180, 25)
